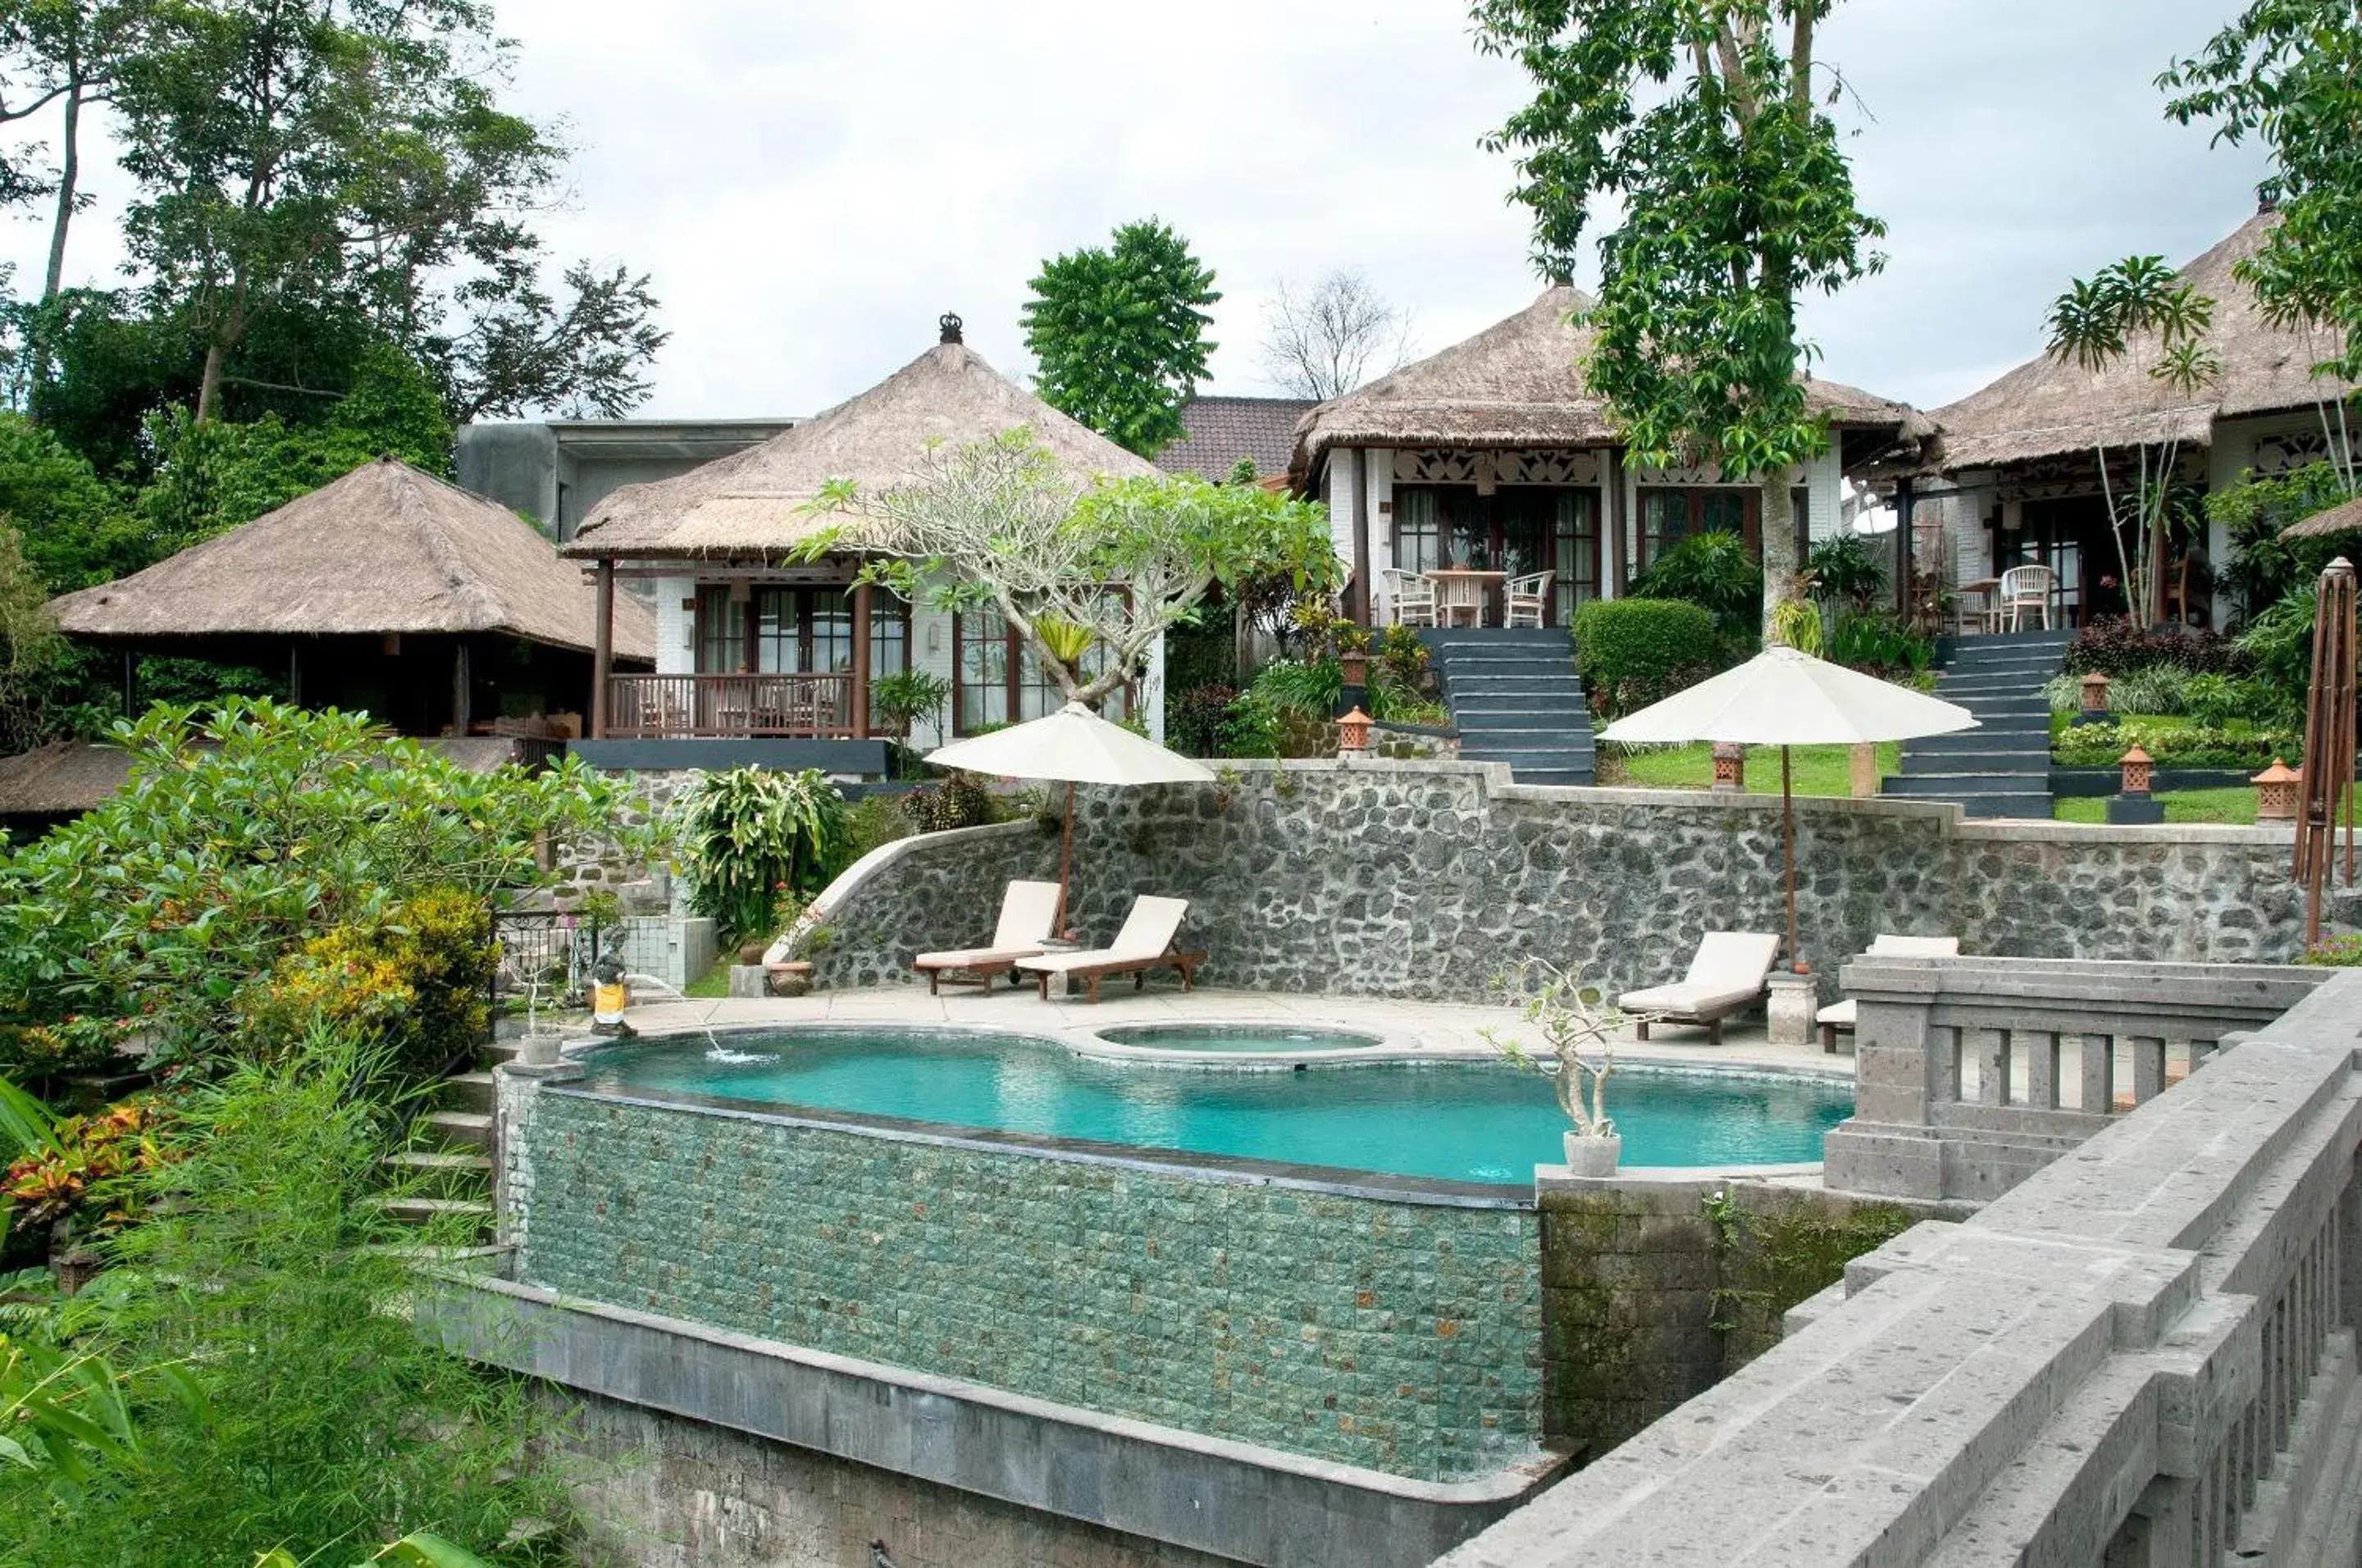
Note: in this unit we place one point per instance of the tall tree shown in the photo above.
(1120, 334)
(70, 53)
(1325, 341)
(1702, 123)
(300, 158)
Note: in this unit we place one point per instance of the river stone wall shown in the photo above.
(1402, 1336)
(1433, 879)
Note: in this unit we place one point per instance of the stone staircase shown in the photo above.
(449, 1178)
(1515, 698)
(2002, 767)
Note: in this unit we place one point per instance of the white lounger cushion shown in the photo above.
(1728, 973)
(1147, 932)
(1028, 911)
(1843, 1014)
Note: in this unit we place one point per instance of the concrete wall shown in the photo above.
(1402, 1336)
(1431, 879)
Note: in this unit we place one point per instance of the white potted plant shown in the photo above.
(1573, 1019)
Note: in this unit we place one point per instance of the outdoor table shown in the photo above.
(1459, 589)
(1986, 590)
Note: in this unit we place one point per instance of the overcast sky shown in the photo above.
(811, 184)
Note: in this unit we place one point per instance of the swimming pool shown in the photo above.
(1464, 1121)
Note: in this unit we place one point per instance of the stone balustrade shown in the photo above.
(2141, 1356)
(1974, 1073)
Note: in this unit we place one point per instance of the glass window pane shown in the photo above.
(1417, 547)
(721, 631)
(831, 619)
(982, 649)
(777, 647)
(889, 636)
(1722, 511)
(1664, 520)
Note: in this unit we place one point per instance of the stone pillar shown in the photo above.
(516, 1094)
(1789, 1009)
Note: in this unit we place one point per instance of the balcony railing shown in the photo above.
(684, 707)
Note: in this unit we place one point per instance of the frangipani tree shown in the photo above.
(2140, 309)
(1077, 569)
(1701, 124)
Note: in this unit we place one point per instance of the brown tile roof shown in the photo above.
(1221, 430)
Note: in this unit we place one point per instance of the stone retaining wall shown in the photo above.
(1431, 879)
(1403, 1337)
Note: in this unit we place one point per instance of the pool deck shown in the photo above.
(1430, 1025)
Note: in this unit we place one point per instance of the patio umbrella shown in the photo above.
(1073, 745)
(1785, 698)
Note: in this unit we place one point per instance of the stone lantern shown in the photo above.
(2276, 789)
(2095, 699)
(1729, 767)
(2138, 767)
(1353, 734)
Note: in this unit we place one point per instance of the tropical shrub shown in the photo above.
(2337, 952)
(2160, 691)
(2255, 513)
(2219, 699)
(872, 821)
(1880, 645)
(1403, 664)
(2117, 647)
(1714, 570)
(2279, 643)
(2175, 745)
(1845, 574)
(752, 835)
(1308, 689)
(85, 1162)
(243, 834)
(1798, 625)
(310, 1416)
(959, 802)
(1194, 720)
(1632, 652)
(900, 701)
(410, 984)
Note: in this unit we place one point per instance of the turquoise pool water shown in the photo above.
(1268, 1038)
(1479, 1122)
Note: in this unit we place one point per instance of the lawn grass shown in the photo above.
(1818, 769)
(2234, 806)
(714, 982)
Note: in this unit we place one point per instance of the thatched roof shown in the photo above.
(755, 501)
(2346, 517)
(1519, 383)
(385, 548)
(2046, 408)
(67, 777)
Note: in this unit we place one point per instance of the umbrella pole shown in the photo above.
(1065, 860)
(1788, 840)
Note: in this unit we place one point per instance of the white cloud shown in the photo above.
(811, 184)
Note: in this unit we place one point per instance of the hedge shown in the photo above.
(1633, 652)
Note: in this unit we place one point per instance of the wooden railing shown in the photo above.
(681, 707)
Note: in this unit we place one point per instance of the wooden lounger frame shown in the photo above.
(1712, 1021)
(980, 975)
(1137, 969)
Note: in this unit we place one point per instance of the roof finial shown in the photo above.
(949, 323)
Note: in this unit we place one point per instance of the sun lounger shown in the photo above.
(1145, 943)
(1028, 910)
(1726, 977)
(1840, 1015)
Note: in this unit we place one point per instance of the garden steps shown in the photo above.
(449, 1162)
(1515, 698)
(459, 1128)
(467, 1091)
(2001, 768)
(440, 1210)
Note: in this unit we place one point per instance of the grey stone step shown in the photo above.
(478, 1259)
(1989, 737)
(1960, 786)
(2033, 764)
(1537, 680)
(1996, 685)
(462, 1128)
(427, 1210)
(445, 1162)
(467, 1091)
(1987, 807)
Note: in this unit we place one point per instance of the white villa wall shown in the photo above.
(675, 625)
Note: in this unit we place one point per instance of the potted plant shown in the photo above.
(1354, 656)
(1571, 1019)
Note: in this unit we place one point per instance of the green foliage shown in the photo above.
(1307, 690)
(1714, 570)
(408, 984)
(2256, 513)
(901, 700)
(871, 821)
(1881, 644)
(1120, 334)
(2174, 743)
(2289, 74)
(2217, 701)
(1203, 651)
(1798, 625)
(1735, 197)
(87, 1162)
(2337, 952)
(2161, 689)
(75, 529)
(64, 1415)
(1633, 652)
(2117, 646)
(2280, 642)
(752, 836)
(242, 832)
(961, 800)
(1196, 721)
(30, 649)
(1845, 574)
(315, 1416)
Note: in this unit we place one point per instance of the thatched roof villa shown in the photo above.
(1493, 455)
(761, 657)
(387, 591)
(2012, 475)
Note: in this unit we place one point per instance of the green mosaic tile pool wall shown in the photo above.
(1403, 1337)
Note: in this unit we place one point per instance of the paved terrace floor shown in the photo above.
(1432, 1024)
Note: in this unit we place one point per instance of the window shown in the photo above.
(721, 631)
(1516, 530)
(1669, 516)
(797, 631)
(997, 680)
(1419, 530)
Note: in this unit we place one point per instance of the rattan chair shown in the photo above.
(1526, 599)
(2024, 588)
(1411, 597)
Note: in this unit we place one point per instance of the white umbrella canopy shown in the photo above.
(1073, 745)
(1785, 698)
(1781, 697)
